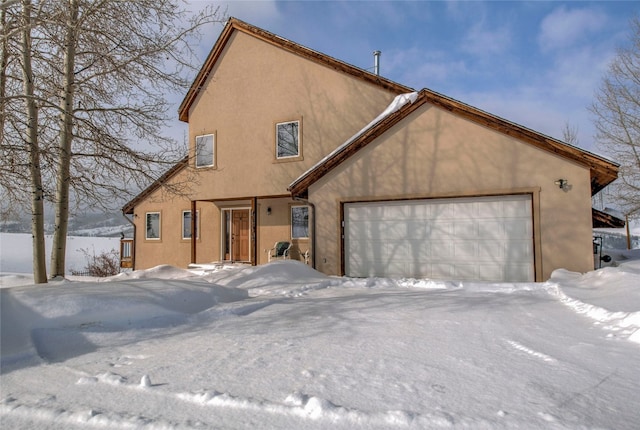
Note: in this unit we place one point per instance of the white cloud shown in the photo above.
(480, 40)
(563, 28)
(422, 67)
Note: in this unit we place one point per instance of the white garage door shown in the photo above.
(479, 238)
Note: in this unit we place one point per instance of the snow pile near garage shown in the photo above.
(283, 346)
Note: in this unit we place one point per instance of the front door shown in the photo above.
(240, 235)
(236, 234)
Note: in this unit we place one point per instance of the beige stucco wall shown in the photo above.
(253, 86)
(433, 153)
(173, 250)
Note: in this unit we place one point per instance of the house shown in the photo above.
(365, 175)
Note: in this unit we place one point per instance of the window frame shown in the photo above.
(285, 158)
(188, 211)
(291, 217)
(213, 151)
(146, 225)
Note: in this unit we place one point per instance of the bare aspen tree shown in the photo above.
(31, 120)
(617, 119)
(63, 178)
(102, 73)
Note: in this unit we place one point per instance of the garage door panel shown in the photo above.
(518, 228)
(520, 251)
(465, 210)
(466, 271)
(466, 250)
(490, 272)
(465, 229)
(519, 271)
(487, 238)
(440, 230)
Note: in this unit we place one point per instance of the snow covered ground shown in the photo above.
(282, 346)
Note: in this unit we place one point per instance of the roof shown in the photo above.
(603, 171)
(235, 24)
(602, 219)
(171, 172)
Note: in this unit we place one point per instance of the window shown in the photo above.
(288, 139)
(205, 149)
(186, 224)
(153, 226)
(299, 222)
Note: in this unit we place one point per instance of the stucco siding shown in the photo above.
(253, 86)
(432, 153)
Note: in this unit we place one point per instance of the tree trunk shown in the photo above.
(37, 195)
(59, 246)
(4, 55)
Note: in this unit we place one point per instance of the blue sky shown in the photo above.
(535, 63)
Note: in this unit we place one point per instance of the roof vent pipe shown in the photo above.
(376, 62)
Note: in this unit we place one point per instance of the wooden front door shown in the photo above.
(240, 233)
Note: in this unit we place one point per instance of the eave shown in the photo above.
(235, 24)
(602, 171)
(175, 169)
(605, 220)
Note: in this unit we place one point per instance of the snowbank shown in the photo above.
(283, 346)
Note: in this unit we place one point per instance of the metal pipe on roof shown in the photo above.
(376, 62)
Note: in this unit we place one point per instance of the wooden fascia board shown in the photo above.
(321, 58)
(203, 74)
(602, 171)
(129, 207)
(605, 220)
(236, 24)
(301, 187)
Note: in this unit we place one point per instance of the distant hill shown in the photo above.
(90, 224)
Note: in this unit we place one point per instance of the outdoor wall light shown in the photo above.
(268, 210)
(562, 183)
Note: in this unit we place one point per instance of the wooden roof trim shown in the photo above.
(604, 220)
(129, 207)
(602, 171)
(300, 186)
(275, 40)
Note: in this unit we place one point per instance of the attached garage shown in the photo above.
(438, 189)
(486, 238)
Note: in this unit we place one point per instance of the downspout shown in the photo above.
(313, 229)
(133, 254)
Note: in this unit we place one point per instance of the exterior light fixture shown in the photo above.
(268, 210)
(562, 184)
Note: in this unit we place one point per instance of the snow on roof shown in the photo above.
(398, 102)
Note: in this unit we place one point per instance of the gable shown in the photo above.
(602, 171)
(236, 25)
(253, 87)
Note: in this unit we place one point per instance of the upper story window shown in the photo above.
(205, 150)
(152, 221)
(288, 140)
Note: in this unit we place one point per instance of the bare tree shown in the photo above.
(104, 70)
(617, 119)
(570, 134)
(31, 119)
